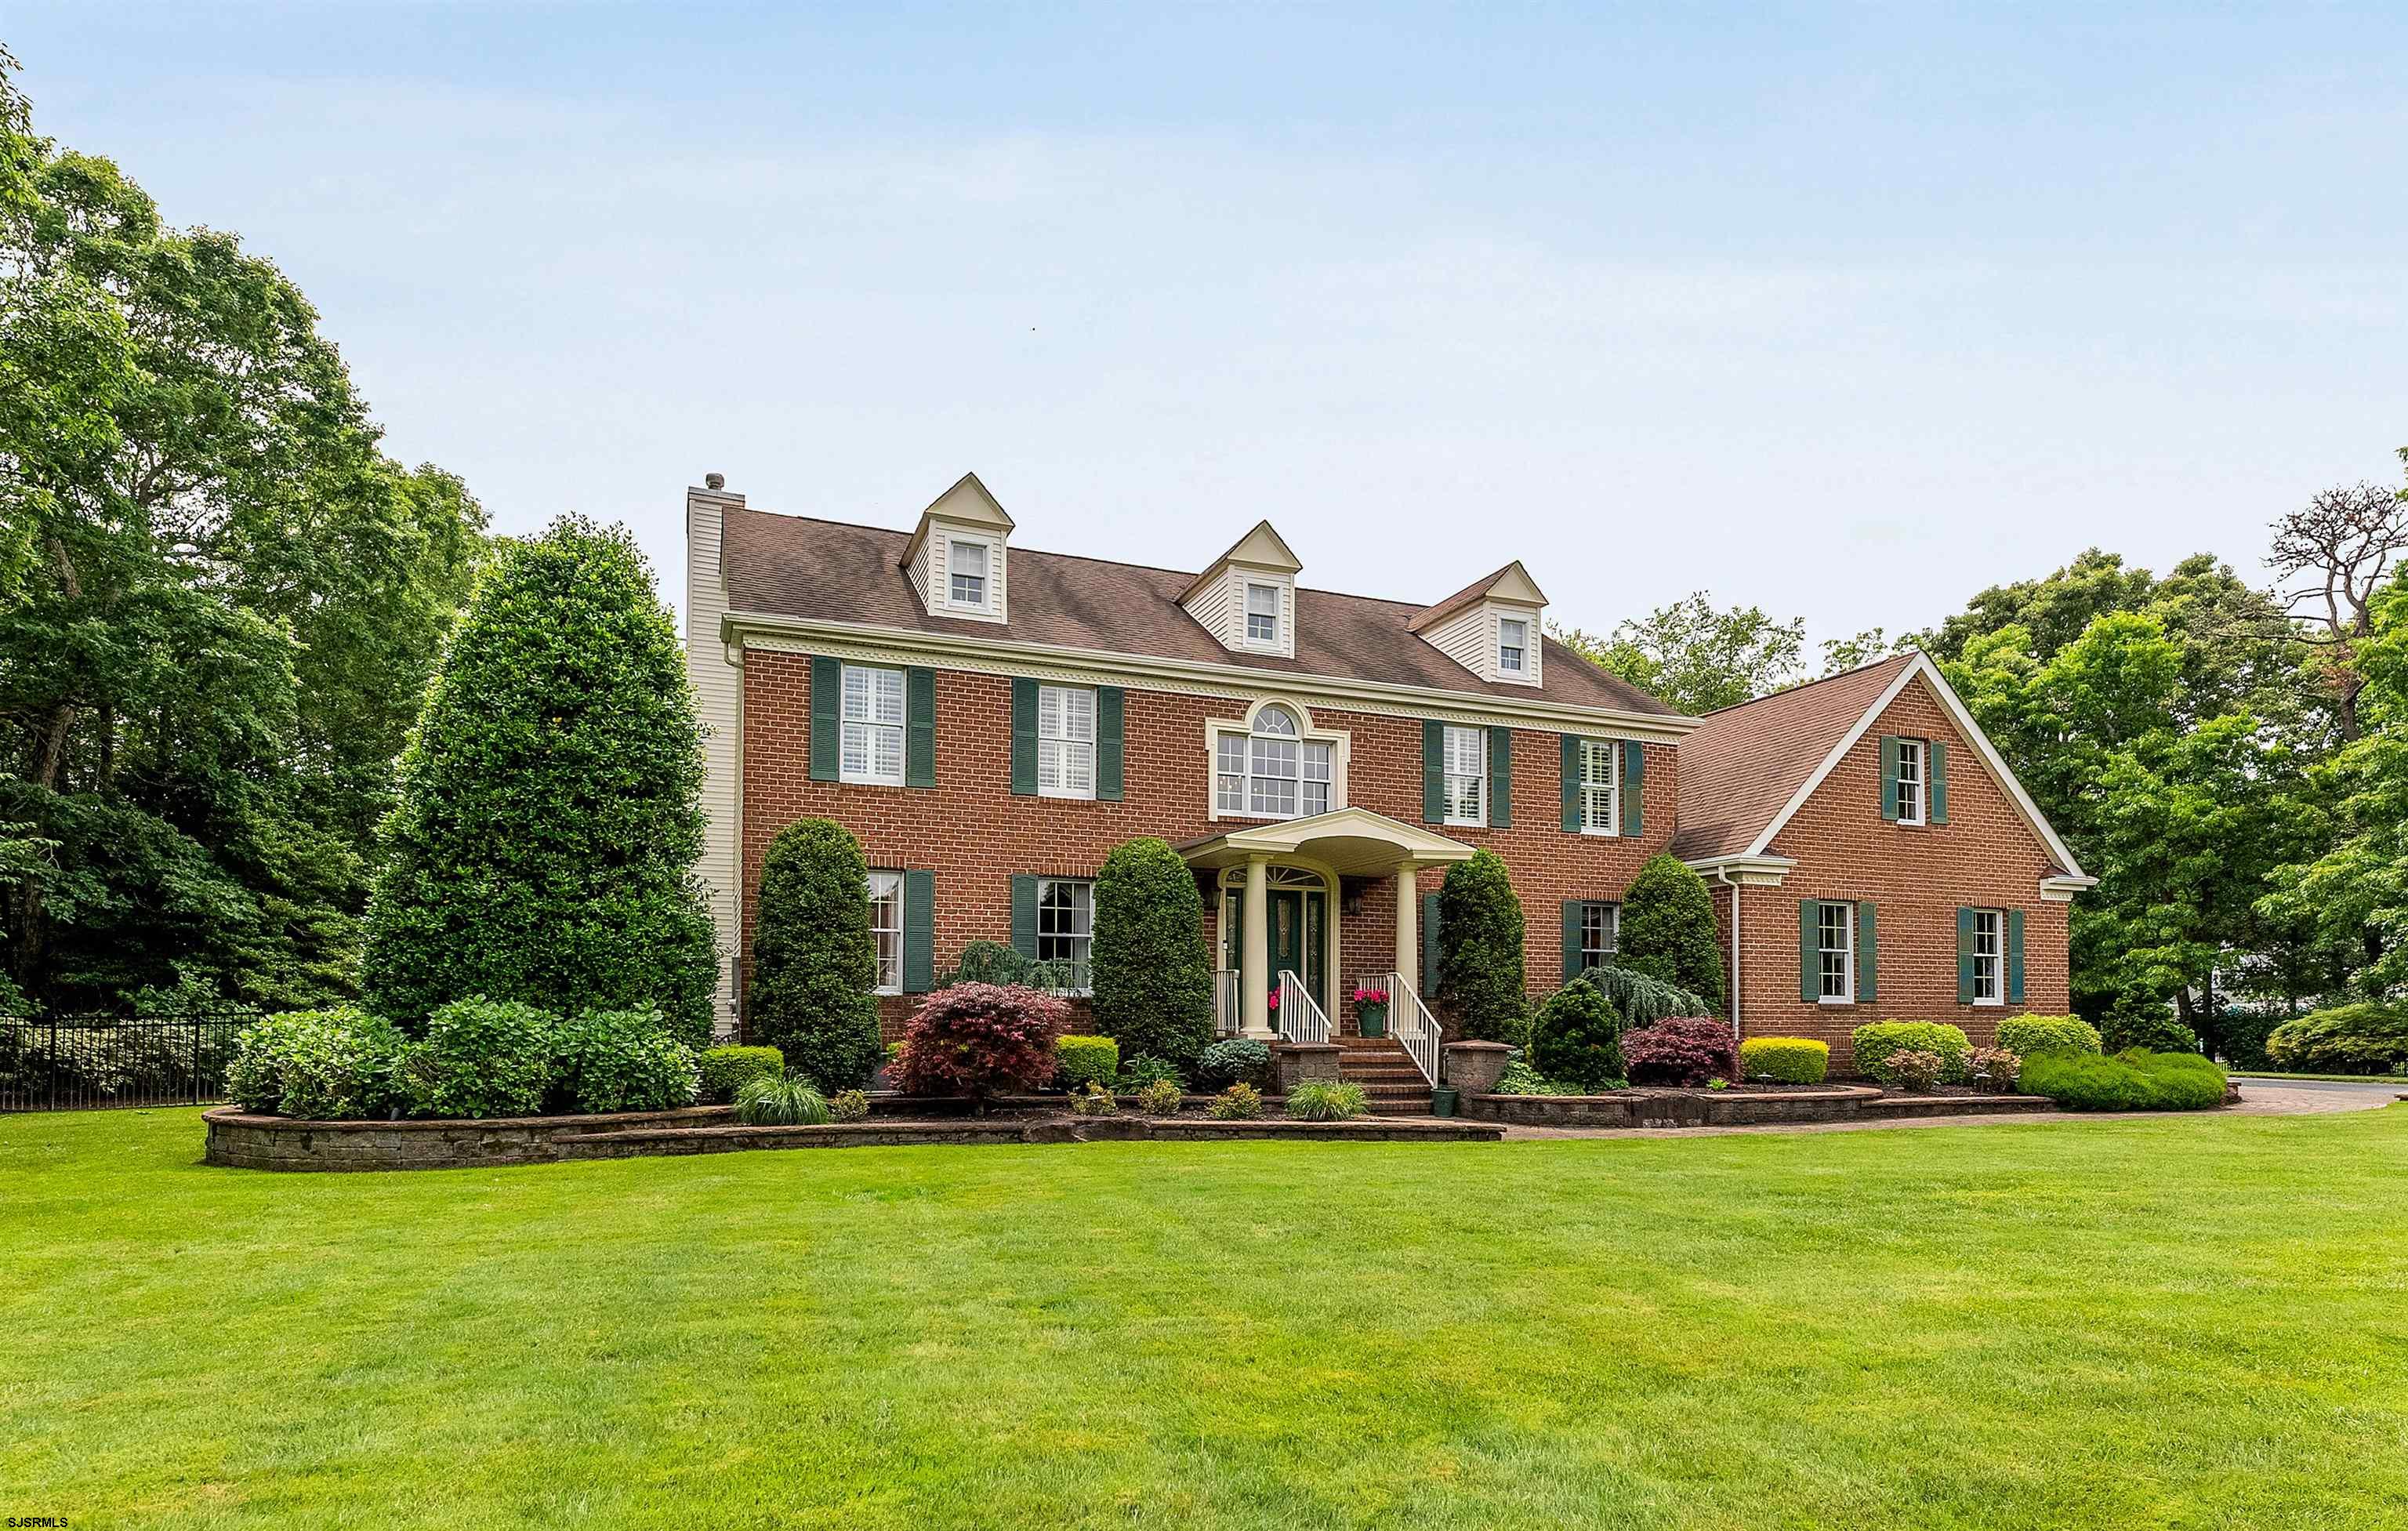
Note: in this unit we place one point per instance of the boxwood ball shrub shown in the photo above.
(1238, 1060)
(480, 1057)
(814, 962)
(1880, 1038)
(2136, 1081)
(1784, 1060)
(1324, 1100)
(547, 819)
(1682, 1050)
(1082, 1060)
(979, 1039)
(1479, 974)
(2345, 1039)
(621, 1061)
(1668, 930)
(1577, 1037)
(2026, 1034)
(726, 1069)
(1150, 974)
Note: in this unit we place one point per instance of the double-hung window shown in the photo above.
(886, 928)
(1262, 614)
(1272, 773)
(1910, 782)
(1988, 954)
(1513, 644)
(873, 726)
(966, 574)
(1600, 923)
(1836, 952)
(1467, 776)
(1066, 741)
(1600, 787)
(1065, 927)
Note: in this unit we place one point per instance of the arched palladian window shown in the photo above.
(1274, 768)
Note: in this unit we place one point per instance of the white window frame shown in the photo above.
(985, 577)
(1609, 792)
(1913, 787)
(1062, 752)
(1267, 639)
(871, 729)
(1236, 748)
(887, 888)
(1476, 777)
(1612, 923)
(1080, 902)
(1845, 952)
(1997, 957)
(1519, 648)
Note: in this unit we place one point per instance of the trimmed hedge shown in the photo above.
(2345, 1039)
(1081, 1060)
(814, 962)
(2136, 1081)
(2026, 1034)
(1148, 970)
(1784, 1060)
(728, 1069)
(1876, 1041)
(1577, 1037)
(1667, 929)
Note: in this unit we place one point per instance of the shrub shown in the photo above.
(1577, 1037)
(1238, 1061)
(1080, 1059)
(992, 962)
(2345, 1039)
(1994, 1068)
(2026, 1034)
(1150, 974)
(1095, 1100)
(2240, 1034)
(1682, 1050)
(1880, 1038)
(622, 1061)
(480, 1057)
(978, 1038)
(2138, 1080)
(1239, 1102)
(1160, 1098)
(848, 1106)
(1479, 974)
(1138, 1073)
(1640, 999)
(1519, 1078)
(789, 1101)
(2152, 1027)
(1907, 1068)
(1784, 1060)
(320, 1066)
(814, 963)
(1668, 930)
(1322, 1100)
(725, 1069)
(547, 818)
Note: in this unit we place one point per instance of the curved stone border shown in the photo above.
(239, 1138)
(1731, 1107)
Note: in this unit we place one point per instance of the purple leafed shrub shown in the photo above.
(981, 1039)
(1682, 1050)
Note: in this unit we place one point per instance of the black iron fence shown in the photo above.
(86, 1062)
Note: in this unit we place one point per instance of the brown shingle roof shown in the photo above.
(1741, 766)
(834, 571)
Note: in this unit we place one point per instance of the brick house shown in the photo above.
(991, 720)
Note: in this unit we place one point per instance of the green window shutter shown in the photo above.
(1867, 953)
(827, 717)
(1938, 754)
(2014, 956)
(919, 932)
(1023, 738)
(1500, 778)
(1634, 787)
(1809, 943)
(1571, 939)
(1429, 944)
(1433, 771)
(1889, 778)
(1964, 956)
(919, 728)
(1112, 709)
(1571, 784)
(1024, 916)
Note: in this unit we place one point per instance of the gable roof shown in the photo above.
(968, 503)
(1747, 769)
(1263, 549)
(1511, 584)
(812, 570)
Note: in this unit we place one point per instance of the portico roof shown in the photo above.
(1351, 841)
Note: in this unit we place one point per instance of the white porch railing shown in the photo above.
(1300, 1020)
(1413, 1025)
(1229, 1004)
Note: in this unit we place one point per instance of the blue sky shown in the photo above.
(1847, 311)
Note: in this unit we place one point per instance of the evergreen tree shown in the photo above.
(814, 994)
(542, 850)
(1667, 929)
(1480, 952)
(1151, 972)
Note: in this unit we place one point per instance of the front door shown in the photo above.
(1299, 937)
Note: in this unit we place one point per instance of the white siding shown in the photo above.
(1465, 638)
(718, 695)
(918, 570)
(1210, 607)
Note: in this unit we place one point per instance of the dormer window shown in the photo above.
(967, 568)
(1263, 614)
(958, 557)
(1512, 642)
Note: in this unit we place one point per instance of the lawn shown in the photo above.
(2196, 1322)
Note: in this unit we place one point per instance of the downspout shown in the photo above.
(1721, 875)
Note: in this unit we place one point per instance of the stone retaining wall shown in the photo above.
(1730, 1107)
(238, 1138)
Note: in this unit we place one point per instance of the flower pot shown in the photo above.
(1371, 1020)
(1443, 1101)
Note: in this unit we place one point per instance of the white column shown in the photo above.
(1409, 928)
(1255, 964)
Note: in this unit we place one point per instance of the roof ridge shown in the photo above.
(1805, 685)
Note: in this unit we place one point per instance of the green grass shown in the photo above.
(2164, 1321)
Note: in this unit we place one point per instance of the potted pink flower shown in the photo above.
(1372, 1011)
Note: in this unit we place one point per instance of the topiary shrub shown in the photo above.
(1994, 1068)
(1238, 1061)
(1668, 930)
(1149, 971)
(2138, 1080)
(1784, 1060)
(726, 1070)
(2345, 1039)
(2149, 1026)
(1907, 1068)
(1238, 1103)
(542, 842)
(787, 1102)
(1160, 1098)
(621, 1061)
(480, 1057)
(1880, 1038)
(2026, 1035)
(979, 1039)
(1083, 1060)
(319, 1066)
(1324, 1100)
(848, 1106)
(814, 962)
(1479, 975)
(1682, 1050)
(1577, 1037)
